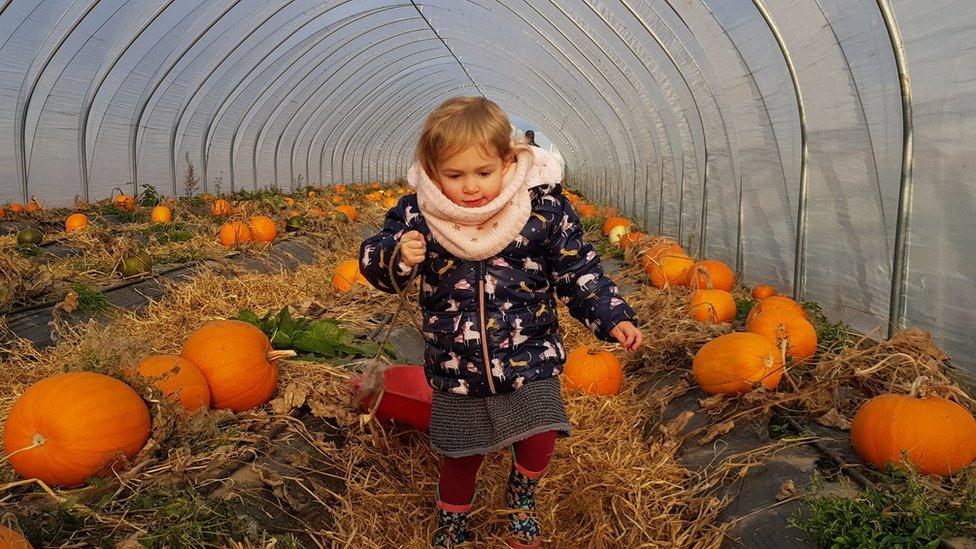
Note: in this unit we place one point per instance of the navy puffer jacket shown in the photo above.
(490, 325)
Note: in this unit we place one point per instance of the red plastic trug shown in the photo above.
(406, 397)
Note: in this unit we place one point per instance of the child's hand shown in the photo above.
(627, 335)
(413, 248)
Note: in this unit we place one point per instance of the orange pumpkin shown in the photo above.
(96, 418)
(389, 202)
(711, 274)
(33, 206)
(161, 214)
(671, 270)
(3, 212)
(349, 212)
(614, 221)
(75, 221)
(938, 435)
(587, 210)
(776, 302)
(289, 201)
(177, 377)
(347, 275)
(10, 539)
(337, 199)
(124, 202)
(263, 228)
(712, 306)
(238, 362)
(220, 207)
(16, 207)
(311, 194)
(593, 372)
(787, 329)
(316, 213)
(374, 185)
(734, 363)
(234, 233)
(657, 251)
(763, 291)
(340, 188)
(631, 238)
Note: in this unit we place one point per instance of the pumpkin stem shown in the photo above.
(38, 440)
(274, 355)
(782, 349)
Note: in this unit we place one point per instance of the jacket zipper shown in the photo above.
(484, 332)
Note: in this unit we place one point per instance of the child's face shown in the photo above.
(472, 177)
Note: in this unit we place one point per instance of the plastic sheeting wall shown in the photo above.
(767, 133)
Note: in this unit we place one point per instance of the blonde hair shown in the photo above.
(462, 122)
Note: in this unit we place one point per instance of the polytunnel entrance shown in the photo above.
(257, 289)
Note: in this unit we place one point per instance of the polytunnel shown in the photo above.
(818, 146)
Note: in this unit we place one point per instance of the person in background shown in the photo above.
(530, 138)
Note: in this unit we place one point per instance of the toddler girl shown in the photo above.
(493, 237)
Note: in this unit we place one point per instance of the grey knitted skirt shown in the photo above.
(463, 426)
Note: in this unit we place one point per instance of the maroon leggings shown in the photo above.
(458, 475)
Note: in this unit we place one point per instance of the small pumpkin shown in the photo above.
(238, 362)
(3, 212)
(135, 265)
(791, 332)
(161, 214)
(177, 377)
(671, 270)
(347, 213)
(337, 199)
(10, 539)
(16, 208)
(777, 302)
(234, 233)
(615, 221)
(289, 201)
(75, 221)
(33, 206)
(347, 275)
(124, 202)
(735, 363)
(712, 306)
(593, 372)
(389, 202)
(587, 210)
(311, 194)
(31, 236)
(763, 291)
(711, 274)
(96, 418)
(263, 228)
(617, 233)
(938, 435)
(220, 207)
(339, 188)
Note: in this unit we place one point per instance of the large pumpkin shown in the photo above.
(615, 221)
(238, 362)
(735, 363)
(617, 233)
(75, 426)
(177, 377)
(593, 372)
(263, 228)
(671, 270)
(161, 214)
(712, 306)
(220, 207)
(711, 274)
(785, 328)
(347, 275)
(75, 221)
(234, 233)
(938, 435)
(349, 212)
(657, 249)
(10, 539)
(778, 303)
